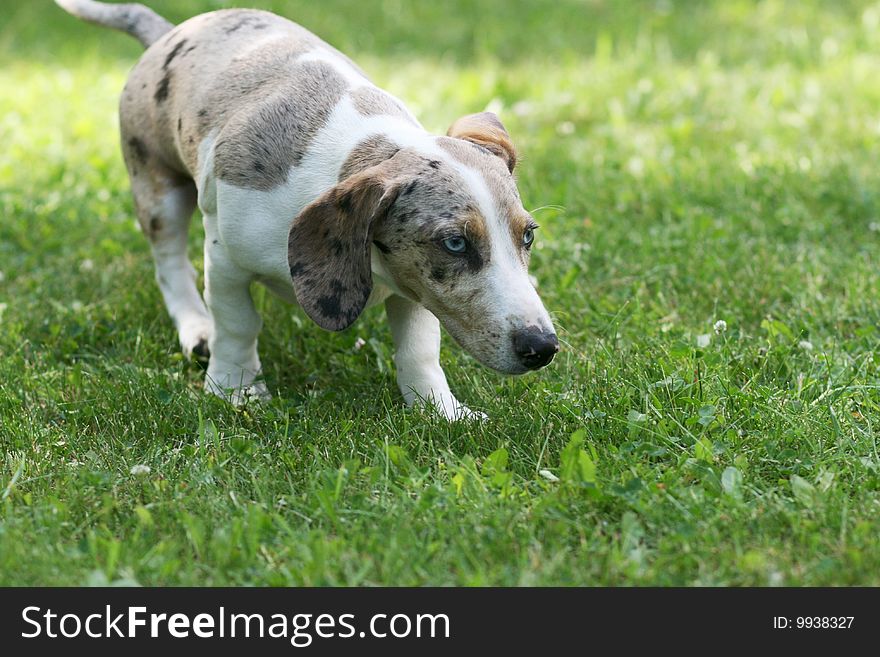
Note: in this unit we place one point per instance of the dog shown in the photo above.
(324, 188)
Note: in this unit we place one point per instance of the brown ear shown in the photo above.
(328, 247)
(486, 130)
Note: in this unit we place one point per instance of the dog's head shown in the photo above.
(451, 232)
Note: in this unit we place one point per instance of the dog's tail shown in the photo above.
(142, 23)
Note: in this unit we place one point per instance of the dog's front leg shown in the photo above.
(234, 362)
(416, 334)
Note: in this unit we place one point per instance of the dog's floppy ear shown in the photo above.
(486, 130)
(329, 244)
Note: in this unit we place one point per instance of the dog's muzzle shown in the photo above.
(535, 347)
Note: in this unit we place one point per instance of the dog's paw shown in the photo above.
(200, 351)
(463, 413)
(254, 392)
(194, 337)
(454, 411)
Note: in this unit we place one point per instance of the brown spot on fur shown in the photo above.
(370, 152)
(494, 174)
(518, 225)
(485, 130)
(475, 228)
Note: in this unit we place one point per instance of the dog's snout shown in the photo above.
(535, 347)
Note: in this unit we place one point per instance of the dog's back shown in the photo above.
(194, 78)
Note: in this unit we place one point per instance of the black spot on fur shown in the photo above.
(345, 203)
(200, 351)
(409, 188)
(237, 26)
(203, 119)
(138, 150)
(438, 274)
(179, 124)
(162, 89)
(259, 167)
(216, 242)
(474, 260)
(434, 164)
(329, 306)
(336, 246)
(174, 52)
(482, 148)
(155, 224)
(253, 21)
(384, 249)
(297, 268)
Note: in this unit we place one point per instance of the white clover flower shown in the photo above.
(806, 345)
(141, 470)
(549, 476)
(359, 343)
(874, 226)
(704, 340)
(720, 327)
(636, 167)
(87, 265)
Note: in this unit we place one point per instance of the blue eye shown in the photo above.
(528, 237)
(455, 244)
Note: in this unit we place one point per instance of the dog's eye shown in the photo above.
(528, 237)
(455, 244)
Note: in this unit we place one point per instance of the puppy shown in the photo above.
(324, 188)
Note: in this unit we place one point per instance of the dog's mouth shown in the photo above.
(505, 351)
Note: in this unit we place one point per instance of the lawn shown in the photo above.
(706, 179)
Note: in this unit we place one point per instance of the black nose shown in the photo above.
(535, 347)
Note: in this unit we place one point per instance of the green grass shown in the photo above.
(695, 162)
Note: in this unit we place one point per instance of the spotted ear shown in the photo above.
(486, 130)
(329, 244)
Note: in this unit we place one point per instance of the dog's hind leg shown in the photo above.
(165, 201)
